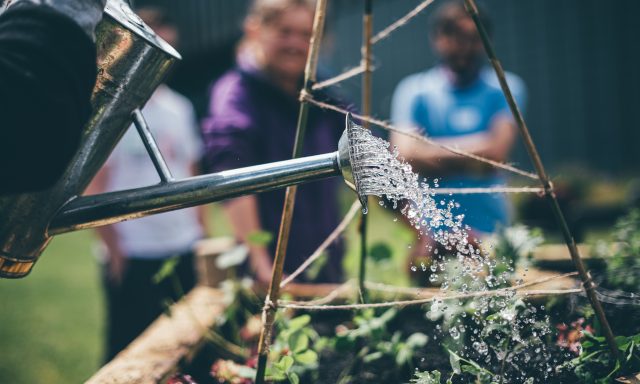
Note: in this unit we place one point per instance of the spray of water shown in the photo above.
(504, 333)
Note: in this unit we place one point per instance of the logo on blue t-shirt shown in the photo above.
(464, 119)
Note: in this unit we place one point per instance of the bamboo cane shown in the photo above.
(587, 281)
(271, 301)
(367, 23)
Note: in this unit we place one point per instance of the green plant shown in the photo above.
(282, 370)
(500, 334)
(293, 349)
(366, 344)
(240, 305)
(372, 333)
(595, 364)
(514, 246)
(622, 252)
(426, 377)
(260, 238)
(292, 354)
(460, 365)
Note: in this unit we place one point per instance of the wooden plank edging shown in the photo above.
(154, 356)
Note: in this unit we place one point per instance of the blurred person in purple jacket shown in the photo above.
(252, 120)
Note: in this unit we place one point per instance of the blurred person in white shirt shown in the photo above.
(135, 250)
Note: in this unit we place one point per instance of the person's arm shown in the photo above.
(232, 140)
(494, 145)
(244, 219)
(116, 262)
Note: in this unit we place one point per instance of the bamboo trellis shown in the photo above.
(306, 100)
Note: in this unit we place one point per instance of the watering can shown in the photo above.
(132, 62)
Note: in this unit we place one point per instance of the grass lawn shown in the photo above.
(52, 320)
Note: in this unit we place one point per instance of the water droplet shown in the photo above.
(481, 347)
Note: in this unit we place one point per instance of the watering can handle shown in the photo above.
(152, 146)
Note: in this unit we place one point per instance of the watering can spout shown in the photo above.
(108, 208)
(348, 160)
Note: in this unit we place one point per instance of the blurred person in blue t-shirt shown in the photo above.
(459, 102)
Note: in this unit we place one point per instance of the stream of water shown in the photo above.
(503, 333)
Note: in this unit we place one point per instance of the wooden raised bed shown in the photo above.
(170, 340)
(174, 340)
(309, 291)
(556, 256)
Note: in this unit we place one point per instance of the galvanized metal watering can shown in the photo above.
(132, 62)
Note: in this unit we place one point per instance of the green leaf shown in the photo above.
(403, 357)
(167, 269)
(307, 357)
(586, 345)
(298, 342)
(596, 339)
(380, 252)
(454, 360)
(631, 350)
(621, 342)
(432, 377)
(298, 322)
(372, 357)
(470, 369)
(259, 238)
(417, 340)
(293, 378)
(321, 343)
(470, 366)
(286, 363)
(386, 317)
(274, 373)
(396, 337)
